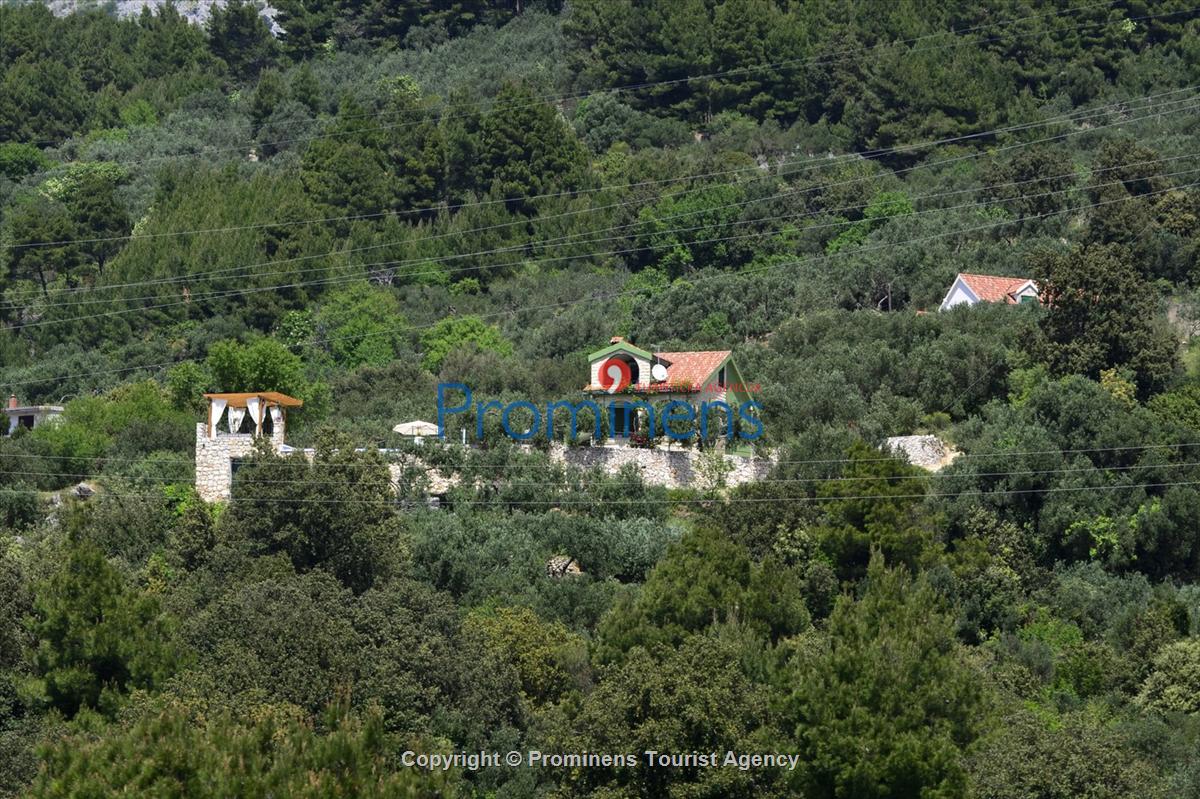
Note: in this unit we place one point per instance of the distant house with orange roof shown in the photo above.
(971, 289)
(693, 376)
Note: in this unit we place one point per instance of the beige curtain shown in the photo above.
(252, 408)
(217, 410)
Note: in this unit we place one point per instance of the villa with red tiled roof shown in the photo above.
(970, 289)
(695, 376)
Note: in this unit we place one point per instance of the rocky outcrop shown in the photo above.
(194, 11)
(928, 452)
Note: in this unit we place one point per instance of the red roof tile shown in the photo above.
(692, 367)
(989, 288)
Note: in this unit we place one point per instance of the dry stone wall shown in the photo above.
(682, 468)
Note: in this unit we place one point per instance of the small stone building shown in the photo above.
(234, 424)
(29, 416)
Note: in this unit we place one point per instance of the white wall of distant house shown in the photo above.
(957, 295)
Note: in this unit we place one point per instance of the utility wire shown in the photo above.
(224, 293)
(676, 501)
(563, 240)
(650, 84)
(358, 274)
(781, 462)
(1075, 115)
(572, 481)
(633, 292)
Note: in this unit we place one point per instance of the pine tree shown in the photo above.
(238, 35)
(1101, 314)
(889, 707)
(528, 149)
(97, 637)
(95, 207)
(307, 25)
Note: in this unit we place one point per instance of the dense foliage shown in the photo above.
(358, 200)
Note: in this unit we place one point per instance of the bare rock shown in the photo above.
(562, 566)
(928, 452)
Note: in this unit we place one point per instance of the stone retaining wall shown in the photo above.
(438, 483)
(681, 468)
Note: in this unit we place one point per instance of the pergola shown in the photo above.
(255, 403)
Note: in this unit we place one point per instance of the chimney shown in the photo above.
(12, 401)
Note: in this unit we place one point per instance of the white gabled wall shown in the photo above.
(642, 364)
(957, 295)
(1030, 289)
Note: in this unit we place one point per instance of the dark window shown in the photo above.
(622, 416)
(26, 421)
(634, 376)
(721, 378)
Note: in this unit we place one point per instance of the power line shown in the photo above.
(570, 239)
(562, 240)
(1008, 454)
(674, 81)
(545, 306)
(680, 500)
(1075, 115)
(224, 293)
(358, 275)
(572, 481)
(770, 267)
(780, 462)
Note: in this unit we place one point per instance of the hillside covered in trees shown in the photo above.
(381, 196)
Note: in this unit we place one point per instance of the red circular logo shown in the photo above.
(614, 375)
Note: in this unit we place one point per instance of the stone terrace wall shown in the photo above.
(670, 468)
(438, 482)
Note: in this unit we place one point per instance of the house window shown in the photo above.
(623, 416)
(26, 421)
(721, 378)
(1028, 298)
(634, 373)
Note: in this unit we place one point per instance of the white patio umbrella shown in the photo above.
(416, 428)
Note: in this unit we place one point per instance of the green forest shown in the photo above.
(351, 202)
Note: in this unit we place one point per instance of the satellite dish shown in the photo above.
(658, 372)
